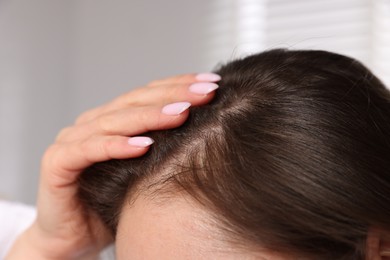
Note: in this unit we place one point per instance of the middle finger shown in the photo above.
(129, 122)
(197, 93)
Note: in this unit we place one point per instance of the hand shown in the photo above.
(62, 230)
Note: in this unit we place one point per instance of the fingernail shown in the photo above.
(212, 77)
(203, 87)
(175, 108)
(140, 141)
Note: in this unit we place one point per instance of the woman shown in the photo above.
(61, 230)
(290, 160)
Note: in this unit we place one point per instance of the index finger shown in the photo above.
(169, 83)
(186, 78)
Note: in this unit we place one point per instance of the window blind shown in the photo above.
(356, 28)
(381, 40)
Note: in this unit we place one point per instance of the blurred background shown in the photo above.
(61, 57)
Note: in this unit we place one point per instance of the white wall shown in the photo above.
(121, 44)
(58, 58)
(34, 39)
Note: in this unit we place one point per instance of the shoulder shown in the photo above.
(14, 219)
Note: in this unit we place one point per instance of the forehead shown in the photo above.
(149, 229)
(174, 229)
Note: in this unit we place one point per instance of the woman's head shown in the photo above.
(291, 159)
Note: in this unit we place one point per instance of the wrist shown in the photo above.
(32, 244)
(24, 247)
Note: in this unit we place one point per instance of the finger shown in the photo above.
(183, 78)
(197, 93)
(187, 78)
(69, 159)
(130, 121)
(90, 114)
(160, 91)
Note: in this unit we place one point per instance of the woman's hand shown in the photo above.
(62, 230)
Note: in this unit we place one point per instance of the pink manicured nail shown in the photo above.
(140, 141)
(175, 108)
(203, 87)
(212, 77)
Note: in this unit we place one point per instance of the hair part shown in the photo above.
(293, 155)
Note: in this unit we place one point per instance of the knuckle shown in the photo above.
(134, 97)
(173, 92)
(107, 147)
(63, 133)
(50, 158)
(50, 151)
(84, 148)
(160, 123)
(105, 124)
(83, 117)
(154, 83)
(89, 115)
(104, 148)
(143, 119)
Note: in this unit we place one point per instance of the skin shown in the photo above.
(61, 230)
(174, 228)
(178, 229)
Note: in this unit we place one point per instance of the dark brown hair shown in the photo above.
(293, 154)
